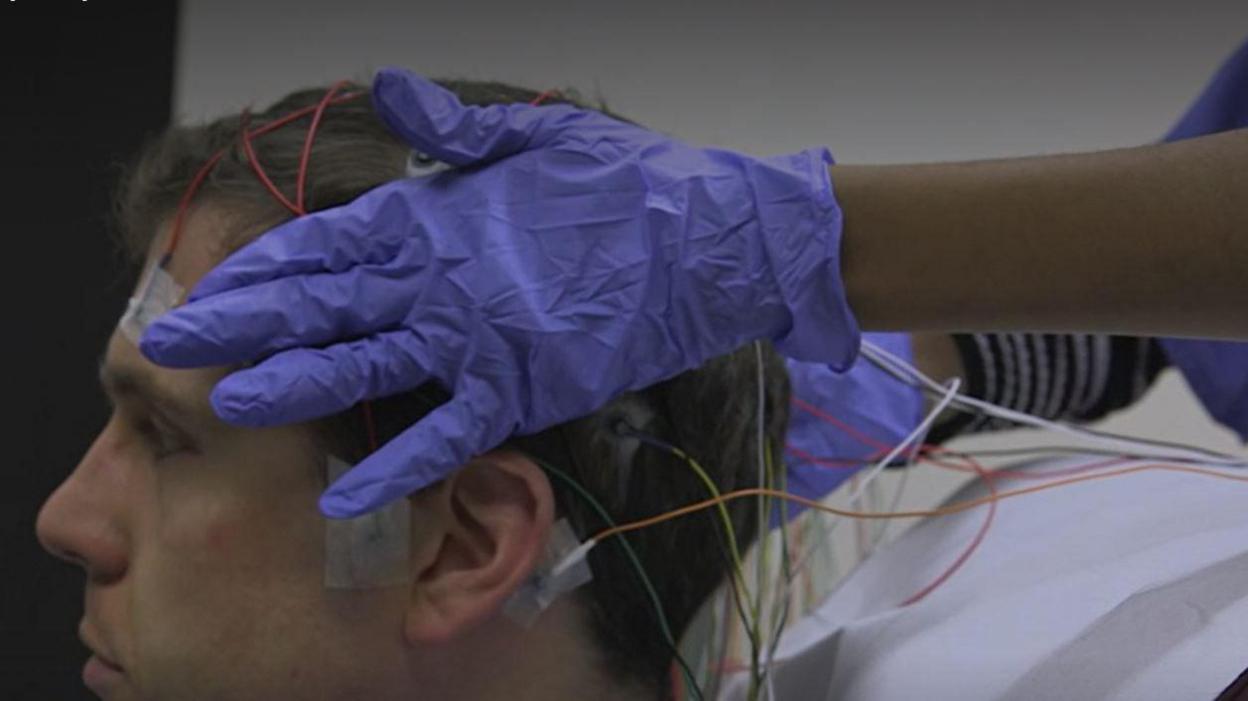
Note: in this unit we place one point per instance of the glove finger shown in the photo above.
(249, 323)
(420, 456)
(361, 232)
(433, 121)
(307, 383)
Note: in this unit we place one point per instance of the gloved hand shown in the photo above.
(569, 257)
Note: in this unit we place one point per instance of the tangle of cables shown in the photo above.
(1121, 456)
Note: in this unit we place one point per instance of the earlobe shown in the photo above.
(485, 531)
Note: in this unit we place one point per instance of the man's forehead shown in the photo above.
(203, 243)
(124, 372)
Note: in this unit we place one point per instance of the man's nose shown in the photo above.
(81, 522)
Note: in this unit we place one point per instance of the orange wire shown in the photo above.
(921, 513)
(990, 481)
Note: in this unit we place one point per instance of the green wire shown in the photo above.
(690, 681)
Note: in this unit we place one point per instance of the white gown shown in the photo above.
(1131, 588)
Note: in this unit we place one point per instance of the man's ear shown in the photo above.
(484, 531)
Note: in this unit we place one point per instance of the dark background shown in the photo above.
(84, 83)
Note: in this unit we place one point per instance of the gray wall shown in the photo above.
(875, 81)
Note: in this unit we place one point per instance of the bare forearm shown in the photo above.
(1149, 240)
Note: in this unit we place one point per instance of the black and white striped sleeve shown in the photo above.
(1069, 377)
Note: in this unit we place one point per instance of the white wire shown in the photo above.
(921, 430)
(1123, 444)
(892, 507)
(950, 395)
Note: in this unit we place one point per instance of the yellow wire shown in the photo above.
(733, 546)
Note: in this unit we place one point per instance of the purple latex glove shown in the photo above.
(843, 421)
(580, 257)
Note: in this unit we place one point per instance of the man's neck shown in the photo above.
(555, 659)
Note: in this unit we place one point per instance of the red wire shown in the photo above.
(184, 204)
(673, 677)
(970, 549)
(306, 156)
(256, 168)
(989, 478)
(983, 473)
(831, 463)
(297, 207)
(543, 96)
(849, 430)
(303, 112)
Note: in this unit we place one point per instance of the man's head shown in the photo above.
(204, 549)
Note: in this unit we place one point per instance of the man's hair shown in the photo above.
(710, 413)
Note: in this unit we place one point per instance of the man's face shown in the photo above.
(204, 549)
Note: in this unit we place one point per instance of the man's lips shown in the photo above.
(102, 672)
(87, 634)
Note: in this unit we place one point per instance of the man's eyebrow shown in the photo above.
(128, 382)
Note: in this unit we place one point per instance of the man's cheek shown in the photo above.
(196, 527)
(240, 540)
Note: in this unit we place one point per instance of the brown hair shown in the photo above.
(710, 413)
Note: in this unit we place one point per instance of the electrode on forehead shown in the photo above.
(367, 551)
(157, 295)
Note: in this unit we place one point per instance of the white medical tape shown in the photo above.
(563, 568)
(157, 295)
(368, 551)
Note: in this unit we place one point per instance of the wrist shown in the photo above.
(802, 234)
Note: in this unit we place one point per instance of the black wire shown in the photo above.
(671, 643)
(622, 428)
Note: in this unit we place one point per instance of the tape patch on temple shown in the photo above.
(158, 294)
(368, 551)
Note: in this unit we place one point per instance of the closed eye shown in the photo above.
(160, 439)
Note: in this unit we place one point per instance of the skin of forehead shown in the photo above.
(200, 248)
